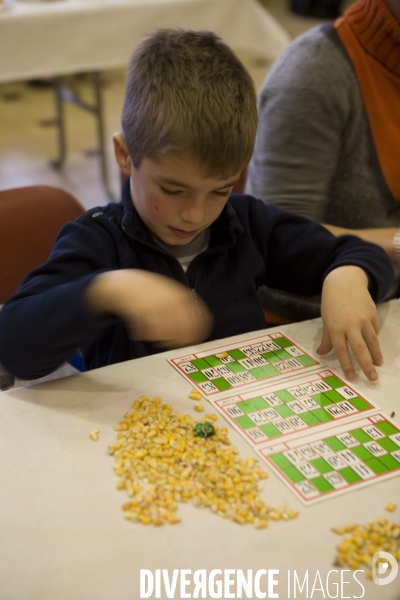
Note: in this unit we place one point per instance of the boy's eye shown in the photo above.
(169, 192)
(164, 190)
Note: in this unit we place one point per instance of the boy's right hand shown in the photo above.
(154, 308)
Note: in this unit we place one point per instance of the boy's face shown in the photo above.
(174, 199)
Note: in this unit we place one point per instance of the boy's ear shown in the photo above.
(122, 154)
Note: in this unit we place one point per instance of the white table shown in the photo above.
(62, 37)
(42, 39)
(62, 532)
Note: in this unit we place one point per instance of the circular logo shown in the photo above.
(384, 568)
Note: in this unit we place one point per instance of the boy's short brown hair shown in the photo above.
(186, 92)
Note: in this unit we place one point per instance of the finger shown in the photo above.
(363, 356)
(167, 344)
(339, 343)
(372, 342)
(195, 325)
(204, 317)
(151, 329)
(326, 344)
(177, 341)
(375, 321)
(177, 328)
(183, 331)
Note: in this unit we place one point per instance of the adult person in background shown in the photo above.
(328, 141)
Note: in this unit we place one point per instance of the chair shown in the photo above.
(30, 219)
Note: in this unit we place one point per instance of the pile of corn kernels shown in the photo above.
(161, 462)
(363, 541)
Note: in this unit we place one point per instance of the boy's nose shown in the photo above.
(193, 212)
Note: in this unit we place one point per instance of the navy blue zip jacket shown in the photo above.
(251, 244)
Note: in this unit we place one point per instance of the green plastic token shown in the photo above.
(203, 430)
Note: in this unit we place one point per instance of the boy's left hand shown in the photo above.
(350, 319)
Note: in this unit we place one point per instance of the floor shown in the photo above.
(28, 141)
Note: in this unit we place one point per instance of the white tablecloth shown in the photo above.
(62, 531)
(39, 39)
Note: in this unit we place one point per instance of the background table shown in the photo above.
(63, 37)
(62, 531)
(42, 39)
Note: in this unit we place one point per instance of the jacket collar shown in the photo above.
(223, 232)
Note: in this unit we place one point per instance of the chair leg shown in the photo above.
(59, 162)
(65, 95)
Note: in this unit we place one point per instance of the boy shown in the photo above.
(176, 262)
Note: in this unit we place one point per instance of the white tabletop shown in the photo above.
(62, 531)
(46, 38)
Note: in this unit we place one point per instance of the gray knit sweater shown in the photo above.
(314, 152)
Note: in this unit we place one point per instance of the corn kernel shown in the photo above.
(121, 427)
(365, 540)
(199, 407)
(391, 507)
(161, 462)
(261, 523)
(145, 520)
(94, 435)
(212, 417)
(195, 395)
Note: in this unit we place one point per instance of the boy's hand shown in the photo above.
(350, 318)
(154, 308)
